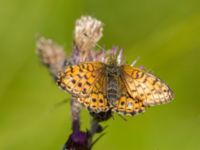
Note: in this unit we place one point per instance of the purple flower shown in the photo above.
(78, 140)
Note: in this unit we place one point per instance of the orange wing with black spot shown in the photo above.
(126, 104)
(96, 101)
(145, 87)
(80, 79)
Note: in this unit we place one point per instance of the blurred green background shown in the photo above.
(164, 33)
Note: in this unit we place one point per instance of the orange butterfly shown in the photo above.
(122, 88)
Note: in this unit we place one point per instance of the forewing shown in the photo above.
(145, 86)
(96, 100)
(79, 80)
(126, 104)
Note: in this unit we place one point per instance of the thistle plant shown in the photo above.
(87, 32)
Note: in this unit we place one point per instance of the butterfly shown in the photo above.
(104, 86)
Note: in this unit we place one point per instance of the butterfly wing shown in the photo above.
(145, 86)
(96, 101)
(79, 80)
(126, 104)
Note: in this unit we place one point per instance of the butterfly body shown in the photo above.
(112, 86)
(112, 74)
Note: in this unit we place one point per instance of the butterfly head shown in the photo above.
(112, 60)
(115, 57)
(112, 67)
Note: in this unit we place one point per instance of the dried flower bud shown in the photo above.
(88, 32)
(51, 55)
